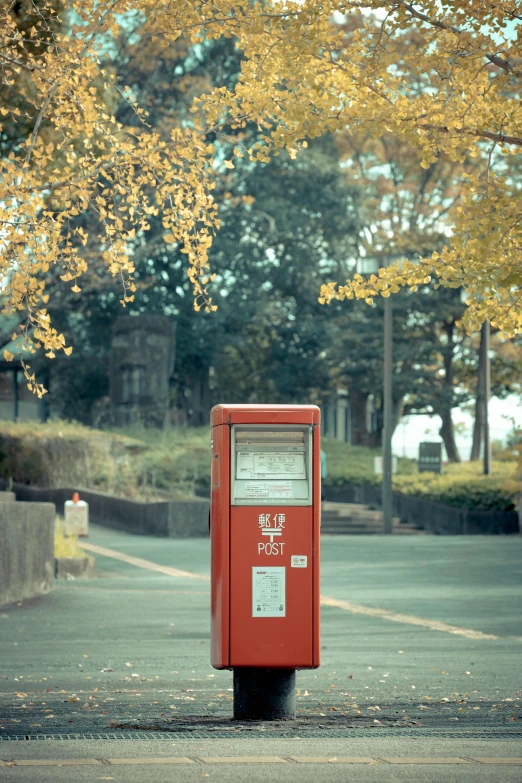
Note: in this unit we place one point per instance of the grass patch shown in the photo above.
(65, 546)
(176, 462)
(348, 464)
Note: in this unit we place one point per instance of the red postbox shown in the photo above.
(265, 528)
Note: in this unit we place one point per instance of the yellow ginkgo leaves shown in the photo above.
(441, 80)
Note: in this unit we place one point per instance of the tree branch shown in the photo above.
(493, 58)
(18, 63)
(41, 114)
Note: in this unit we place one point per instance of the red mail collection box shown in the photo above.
(265, 527)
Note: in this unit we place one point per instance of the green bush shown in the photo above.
(488, 493)
(176, 462)
(65, 546)
(462, 485)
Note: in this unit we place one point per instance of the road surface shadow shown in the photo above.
(196, 723)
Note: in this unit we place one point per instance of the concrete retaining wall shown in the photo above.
(441, 519)
(26, 550)
(168, 519)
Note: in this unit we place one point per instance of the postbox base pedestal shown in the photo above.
(264, 694)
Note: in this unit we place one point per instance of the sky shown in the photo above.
(414, 429)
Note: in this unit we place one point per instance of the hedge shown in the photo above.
(488, 493)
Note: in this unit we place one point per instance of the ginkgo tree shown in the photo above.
(443, 77)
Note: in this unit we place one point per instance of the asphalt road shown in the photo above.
(421, 658)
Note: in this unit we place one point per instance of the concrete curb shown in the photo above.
(75, 567)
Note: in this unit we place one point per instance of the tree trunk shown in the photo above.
(478, 427)
(200, 400)
(446, 431)
(447, 434)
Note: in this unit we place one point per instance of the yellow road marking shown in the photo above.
(56, 762)
(408, 619)
(126, 590)
(431, 760)
(347, 606)
(139, 562)
(169, 760)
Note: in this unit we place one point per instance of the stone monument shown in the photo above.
(141, 364)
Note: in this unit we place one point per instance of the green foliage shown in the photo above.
(463, 486)
(349, 464)
(485, 494)
(354, 465)
(175, 462)
(65, 546)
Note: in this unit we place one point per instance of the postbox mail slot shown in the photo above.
(271, 464)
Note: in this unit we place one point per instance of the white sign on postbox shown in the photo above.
(299, 561)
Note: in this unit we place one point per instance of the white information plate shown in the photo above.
(268, 591)
(268, 464)
(256, 489)
(299, 561)
(265, 489)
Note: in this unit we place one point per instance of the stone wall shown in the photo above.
(26, 550)
(141, 364)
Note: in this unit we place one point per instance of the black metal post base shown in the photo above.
(264, 694)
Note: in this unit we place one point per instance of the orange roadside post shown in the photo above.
(76, 516)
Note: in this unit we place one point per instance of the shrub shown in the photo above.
(462, 485)
(488, 493)
(65, 546)
(175, 461)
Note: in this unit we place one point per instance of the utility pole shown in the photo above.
(487, 393)
(387, 499)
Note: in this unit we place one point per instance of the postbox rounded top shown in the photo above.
(262, 414)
